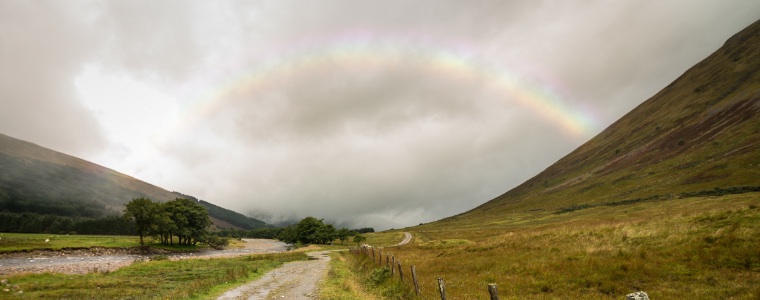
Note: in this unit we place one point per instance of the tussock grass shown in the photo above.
(12, 242)
(702, 247)
(342, 282)
(183, 279)
(384, 239)
(359, 277)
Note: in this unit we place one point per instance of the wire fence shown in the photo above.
(397, 269)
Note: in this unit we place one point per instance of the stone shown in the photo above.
(640, 295)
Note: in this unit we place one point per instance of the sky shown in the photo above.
(380, 114)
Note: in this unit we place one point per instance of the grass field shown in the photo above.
(11, 242)
(695, 248)
(163, 279)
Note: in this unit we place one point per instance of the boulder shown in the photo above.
(640, 295)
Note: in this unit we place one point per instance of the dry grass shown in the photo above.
(704, 248)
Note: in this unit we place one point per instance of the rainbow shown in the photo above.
(364, 50)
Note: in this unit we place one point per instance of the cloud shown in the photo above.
(382, 114)
(41, 48)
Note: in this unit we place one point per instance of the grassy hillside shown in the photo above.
(34, 179)
(665, 200)
(699, 133)
(226, 218)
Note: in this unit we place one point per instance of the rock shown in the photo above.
(640, 295)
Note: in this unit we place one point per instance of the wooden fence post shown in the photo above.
(387, 260)
(493, 292)
(393, 264)
(380, 258)
(400, 271)
(441, 288)
(414, 279)
(373, 252)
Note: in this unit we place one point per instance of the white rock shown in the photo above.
(640, 295)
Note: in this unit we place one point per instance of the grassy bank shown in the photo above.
(13, 242)
(358, 277)
(696, 248)
(183, 279)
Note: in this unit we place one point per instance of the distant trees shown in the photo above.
(180, 218)
(311, 230)
(365, 230)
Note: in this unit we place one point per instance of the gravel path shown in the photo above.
(406, 240)
(109, 259)
(294, 280)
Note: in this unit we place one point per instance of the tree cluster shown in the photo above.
(180, 218)
(37, 223)
(311, 230)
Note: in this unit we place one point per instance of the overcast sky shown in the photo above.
(366, 113)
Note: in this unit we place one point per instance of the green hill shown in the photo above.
(700, 134)
(227, 218)
(665, 200)
(37, 180)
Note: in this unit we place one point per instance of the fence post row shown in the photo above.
(390, 261)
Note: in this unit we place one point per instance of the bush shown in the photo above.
(380, 275)
(216, 242)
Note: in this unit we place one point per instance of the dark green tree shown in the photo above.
(358, 239)
(190, 220)
(343, 234)
(308, 230)
(325, 234)
(288, 235)
(142, 212)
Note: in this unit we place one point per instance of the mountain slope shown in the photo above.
(665, 200)
(39, 180)
(699, 134)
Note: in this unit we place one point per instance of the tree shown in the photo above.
(358, 239)
(308, 230)
(288, 235)
(343, 234)
(142, 212)
(190, 220)
(325, 234)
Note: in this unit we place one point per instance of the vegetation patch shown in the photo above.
(23, 242)
(161, 279)
(700, 247)
(373, 281)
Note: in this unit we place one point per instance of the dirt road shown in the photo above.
(294, 280)
(406, 240)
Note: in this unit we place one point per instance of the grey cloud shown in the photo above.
(41, 50)
(381, 146)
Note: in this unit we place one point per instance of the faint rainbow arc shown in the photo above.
(537, 97)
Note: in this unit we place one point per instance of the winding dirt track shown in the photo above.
(406, 240)
(294, 280)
